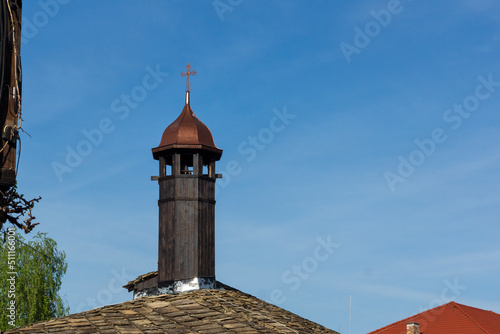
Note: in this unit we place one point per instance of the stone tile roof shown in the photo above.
(200, 311)
(450, 318)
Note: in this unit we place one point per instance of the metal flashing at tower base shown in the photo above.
(176, 287)
(186, 285)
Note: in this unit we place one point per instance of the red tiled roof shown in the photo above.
(449, 318)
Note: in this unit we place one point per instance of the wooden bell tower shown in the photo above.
(187, 156)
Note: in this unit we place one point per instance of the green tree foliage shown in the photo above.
(38, 268)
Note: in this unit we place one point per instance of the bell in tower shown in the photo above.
(187, 156)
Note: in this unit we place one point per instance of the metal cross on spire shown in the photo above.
(187, 74)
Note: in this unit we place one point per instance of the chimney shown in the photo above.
(412, 328)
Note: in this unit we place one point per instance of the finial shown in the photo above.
(188, 83)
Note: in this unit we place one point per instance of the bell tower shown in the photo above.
(186, 248)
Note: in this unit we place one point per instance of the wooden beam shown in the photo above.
(10, 104)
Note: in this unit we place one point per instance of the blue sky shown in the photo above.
(372, 126)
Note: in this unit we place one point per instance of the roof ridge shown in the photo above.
(462, 307)
(252, 311)
(228, 293)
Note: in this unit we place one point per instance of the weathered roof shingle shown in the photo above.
(200, 311)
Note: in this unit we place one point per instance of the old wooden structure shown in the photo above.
(10, 88)
(186, 248)
(187, 156)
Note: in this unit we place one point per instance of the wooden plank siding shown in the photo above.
(187, 227)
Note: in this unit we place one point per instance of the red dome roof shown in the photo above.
(187, 132)
(187, 129)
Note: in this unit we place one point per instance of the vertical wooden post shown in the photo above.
(197, 164)
(163, 167)
(176, 165)
(211, 169)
